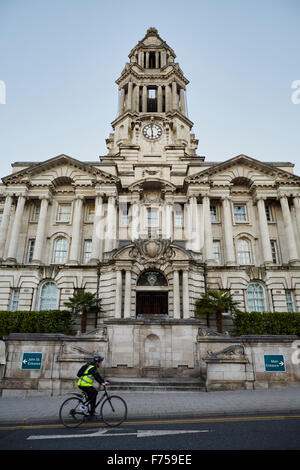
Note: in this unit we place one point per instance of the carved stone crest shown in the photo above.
(152, 250)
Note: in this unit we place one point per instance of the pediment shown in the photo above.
(60, 170)
(243, 168)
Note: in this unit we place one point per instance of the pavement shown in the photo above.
(162, 404)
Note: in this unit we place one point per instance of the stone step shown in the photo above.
(156, 384)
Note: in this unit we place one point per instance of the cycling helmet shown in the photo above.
(97, 359)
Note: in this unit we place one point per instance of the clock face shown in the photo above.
(152, 131)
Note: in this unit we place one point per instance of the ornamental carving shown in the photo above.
(150, 250)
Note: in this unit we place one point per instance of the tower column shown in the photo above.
(182, 101)
(5, 223)
(122, 100)
(159, 99)
(111, 224)
(174, 96)
(168, 98)
(144, 99)
(147, 60)
(129, 96)
(208, 239)
(98, 235)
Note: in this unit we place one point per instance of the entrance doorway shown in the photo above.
(151, 303)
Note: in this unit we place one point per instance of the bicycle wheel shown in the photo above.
(70, 413)
(113, 410)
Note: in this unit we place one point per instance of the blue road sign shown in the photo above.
(274, 363)
(32, 361)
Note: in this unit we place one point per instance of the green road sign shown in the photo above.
(32, 361)
(274, 363)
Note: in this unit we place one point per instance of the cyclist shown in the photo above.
(85, 383)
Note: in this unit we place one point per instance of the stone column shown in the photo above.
(208, 238)
(296, 202)
(5, 223)
(135, 103)
(289, 231)
(182, 101)
(110, 239)
(185, 294)
(144, 99)
(176, 294)
(122, 100)
(147, 60)
(14, 237)
(135, 220)
(40, 232)
(168, 98)
(227, 221)
(191, 223)
(127, 296)
(264, 231)
(129, 96)
(169, 220)
(74, 257)
(156, 59)
(98, 231)
(174, 96)
(159, 99)
(118, 304)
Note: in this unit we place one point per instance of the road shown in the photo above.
(231, 433)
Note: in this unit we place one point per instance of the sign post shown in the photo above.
(32, 361)
(274, 363)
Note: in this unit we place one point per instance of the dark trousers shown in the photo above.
(92, 394)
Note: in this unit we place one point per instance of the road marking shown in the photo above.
(105, 434)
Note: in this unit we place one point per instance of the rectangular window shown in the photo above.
(124, 216)
(30, 250)
(269, 213)
(178, 216)
(213, 213)
(87, 251)
(289, 301)
(152, 218)
(35, 213)
(216, 247)
(240, 214)
(14, 305)
(274, 252)
(64, 213)
(90, 213)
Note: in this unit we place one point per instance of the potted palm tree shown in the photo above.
(82, 303)
(218, 302)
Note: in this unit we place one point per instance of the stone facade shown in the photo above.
(150, 225)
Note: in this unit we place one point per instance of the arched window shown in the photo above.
(48, 296)
(60, 250)
(256, 298)
(244, 254)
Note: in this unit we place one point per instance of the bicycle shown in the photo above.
(75, 409)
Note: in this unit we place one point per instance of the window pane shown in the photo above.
(274, 252)
(87, 250)
(244, 252)
(35, 214)
(256, 298)
(213, 213)
(90, 213)
(240, 213)
(289, 301)
(48, 296)
(60, 250)
(152, 218)
(64, 213)
(15, 300)
(217, 252)
(30, 251)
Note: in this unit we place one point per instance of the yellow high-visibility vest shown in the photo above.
(87, 379)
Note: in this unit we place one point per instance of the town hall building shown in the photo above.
(150, 226)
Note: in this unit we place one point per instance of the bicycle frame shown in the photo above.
(87, 402)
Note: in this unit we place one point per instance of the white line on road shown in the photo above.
(104, 434)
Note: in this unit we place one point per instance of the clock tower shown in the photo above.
(152, 126)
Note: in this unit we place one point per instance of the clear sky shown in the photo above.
(59, 60)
